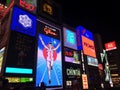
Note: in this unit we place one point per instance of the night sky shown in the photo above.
(98, 17)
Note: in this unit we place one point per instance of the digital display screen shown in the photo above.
(88, 47)
(92, 61)
(1, 57)
(20, 57)
(49, 61)
(23, 22)
(72, 56)
(70, 38)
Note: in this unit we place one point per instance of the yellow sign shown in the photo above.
(48, 9)
(85, 81)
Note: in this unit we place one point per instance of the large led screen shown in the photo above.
(70, 38)
(71, 56)
(49, 61)
(92, 61)
(1, 57)
(23, 22)
(88, 47)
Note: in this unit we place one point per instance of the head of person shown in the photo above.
(50, 45)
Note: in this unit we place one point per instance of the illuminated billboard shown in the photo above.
(88, 47)
(49, 58)
(20, 55)
(23, 22)
(29, 5)
(71, 56)
(70, 38)
(19, 79)
(110, 46)
(85, 81)
(1, 57)
(81, 31)
(92, 61)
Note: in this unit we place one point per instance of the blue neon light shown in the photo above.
(18, 70)
(23, 22)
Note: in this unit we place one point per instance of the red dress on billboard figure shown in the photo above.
(50, 56)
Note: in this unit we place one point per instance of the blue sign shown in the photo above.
(81, 31)
(23, 22)
(70, 39)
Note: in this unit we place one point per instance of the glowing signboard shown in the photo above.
(85, 81)
(110, 46)
(49, 55)
(71, 56)
(88, 47)
(81, 31)
(23, 22)
(1, 57)
(70, 38)
(92, 61)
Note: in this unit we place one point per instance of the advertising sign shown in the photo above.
(110, 46)
(23, 22)
(49, 61)
(88, 47)
(20, 55)
(71, 56)
(70, 38)
(92, 61)
(29, 5)
(1, 57)
(81, 31)
(85, 81)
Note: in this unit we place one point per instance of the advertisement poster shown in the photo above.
(88, 47)
(49, 61)
(72, 56)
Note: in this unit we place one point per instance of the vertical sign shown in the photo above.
(21, 48)
(49, 61)
(85, 81)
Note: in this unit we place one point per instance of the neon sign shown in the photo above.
(74, 72)
(28, 6)
(48, 9)
(48, 30)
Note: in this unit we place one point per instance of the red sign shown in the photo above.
(100, 66)
(88, 47)
(26, 5)
(110, 46)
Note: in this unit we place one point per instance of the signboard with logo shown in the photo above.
(23, 22)
(28, 5)
(20, 57)
(50, 10)
(88, 47)
(110, 46)
(81, 31)
(49, 55)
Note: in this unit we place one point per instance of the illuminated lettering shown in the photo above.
(74, 72)
(26, 5)
(47, 8)
(49, 31)
(89, 46)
